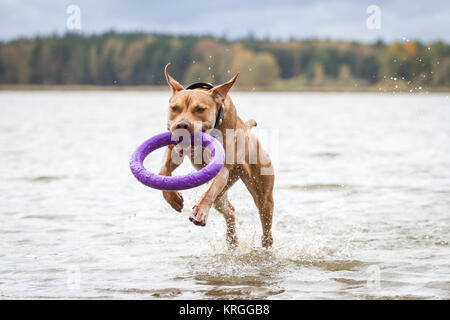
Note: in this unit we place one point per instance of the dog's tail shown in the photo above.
(251, 123)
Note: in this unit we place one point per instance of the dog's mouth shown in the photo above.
(185, 148)
(205, 128)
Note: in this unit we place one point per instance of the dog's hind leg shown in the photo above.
(265, 209)
(261, 189)
(223, 205)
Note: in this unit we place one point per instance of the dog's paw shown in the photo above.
(267, 241)
(175, 199)
(199, 216)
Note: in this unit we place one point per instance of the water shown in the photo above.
(362, 201)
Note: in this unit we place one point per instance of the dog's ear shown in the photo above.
(220, 92)
(171, 81)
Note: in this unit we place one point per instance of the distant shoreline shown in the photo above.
(29, 87)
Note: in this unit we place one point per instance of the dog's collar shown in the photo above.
(204, 85)
(220, 117)
(221, 113)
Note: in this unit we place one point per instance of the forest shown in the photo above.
(131, 59)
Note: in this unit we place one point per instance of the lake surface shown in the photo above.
(362, 201)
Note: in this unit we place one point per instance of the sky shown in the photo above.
(426, 21)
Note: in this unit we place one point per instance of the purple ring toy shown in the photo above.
(170, 183)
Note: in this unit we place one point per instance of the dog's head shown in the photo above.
(187, 108)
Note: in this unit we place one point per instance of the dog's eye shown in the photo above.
(199, 109)
(174, 108)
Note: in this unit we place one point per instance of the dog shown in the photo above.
(214, 109)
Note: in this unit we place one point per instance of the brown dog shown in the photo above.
(201, 105)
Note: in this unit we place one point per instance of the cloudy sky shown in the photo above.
(340, 19)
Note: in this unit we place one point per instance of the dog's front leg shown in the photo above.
(201, 210)
(173, 198)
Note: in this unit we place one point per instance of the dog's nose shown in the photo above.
(183, 124)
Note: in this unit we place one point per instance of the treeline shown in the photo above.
(139, 59)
